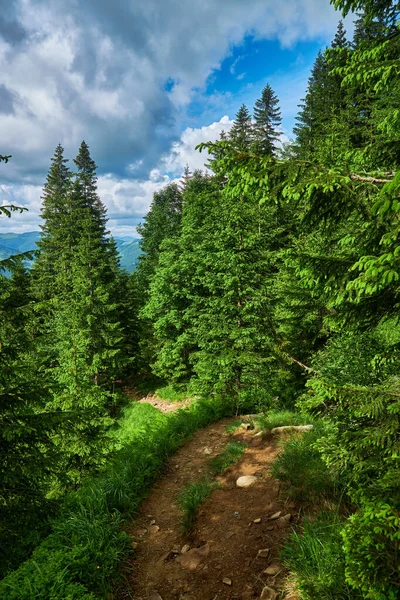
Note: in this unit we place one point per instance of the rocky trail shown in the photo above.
(232, 553)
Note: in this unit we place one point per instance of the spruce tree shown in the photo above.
(267, 120)
(242, 130)
(81, 338)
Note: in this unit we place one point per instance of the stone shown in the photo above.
(227, 581)
(141, 532)
(207, 451)
(153, 522)
(263, 553)
(275, 516)
(154, 595)
(134, 545)
(272, 570)
(291, 428)
(245, 426)
(246, 481)
(268, 594)
(257, 521)
(185, 549)
(283, 521)
(270, 528)
(258, 434)
(192, 559)
(154, 529)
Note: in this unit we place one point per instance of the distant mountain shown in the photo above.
(14, 243)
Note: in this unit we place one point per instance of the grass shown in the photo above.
(233, 426)
(300, 467)
(170, 394)
(191, 498)
(81, 558)
(316, 560)
(273, 419)
(229, 455)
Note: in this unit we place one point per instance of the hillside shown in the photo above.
(14, 243)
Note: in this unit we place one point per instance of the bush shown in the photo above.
(371, 544)
(81, 557)
(316, 559)
(300, 466)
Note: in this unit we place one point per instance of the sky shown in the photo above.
(142, 83)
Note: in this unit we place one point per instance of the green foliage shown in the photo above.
(191, 498)
(229, 455)
(300, 467)
(315, 557)
(81, 558)
(371, 545)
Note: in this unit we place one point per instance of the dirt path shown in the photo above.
(162, 405)
(231, 527)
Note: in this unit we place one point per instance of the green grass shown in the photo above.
(170, 394)
(315, 558)
(82, 556)
(300, 467)
(229, 455)
(273, 419)
(191, 498)
(233, 426)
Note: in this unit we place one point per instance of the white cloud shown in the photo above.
(183, 152)
(97, 71)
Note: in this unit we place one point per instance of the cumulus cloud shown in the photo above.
(120, 75)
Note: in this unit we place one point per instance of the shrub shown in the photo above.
(371, 545)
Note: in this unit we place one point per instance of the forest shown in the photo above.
(266, 285)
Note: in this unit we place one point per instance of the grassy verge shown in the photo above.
(81, 557)
(316, 559)
(170, 394)
(272, 419)
(304, 474)
(229, 455)
(191, 498)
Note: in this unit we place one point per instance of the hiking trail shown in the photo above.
(221, 558)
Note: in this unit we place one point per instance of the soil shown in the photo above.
(162, 405)
(226, 533)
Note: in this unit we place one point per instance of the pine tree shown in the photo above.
(187, 175)
(81, 338)
(242, 130)
(58, 239)
(267, 118)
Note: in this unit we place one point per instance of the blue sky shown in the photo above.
(142, 83)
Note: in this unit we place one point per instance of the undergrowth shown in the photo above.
(229, 455)
(189, 500)
(271, 419)
(300, 467)
(316, 559)
(81, 558)
(168, 392)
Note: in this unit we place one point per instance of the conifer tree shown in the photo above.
(267, 120)
(81, 339)
(242, 130)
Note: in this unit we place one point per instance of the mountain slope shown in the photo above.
(14, 243)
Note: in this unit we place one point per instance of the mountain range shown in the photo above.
(14, 243)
